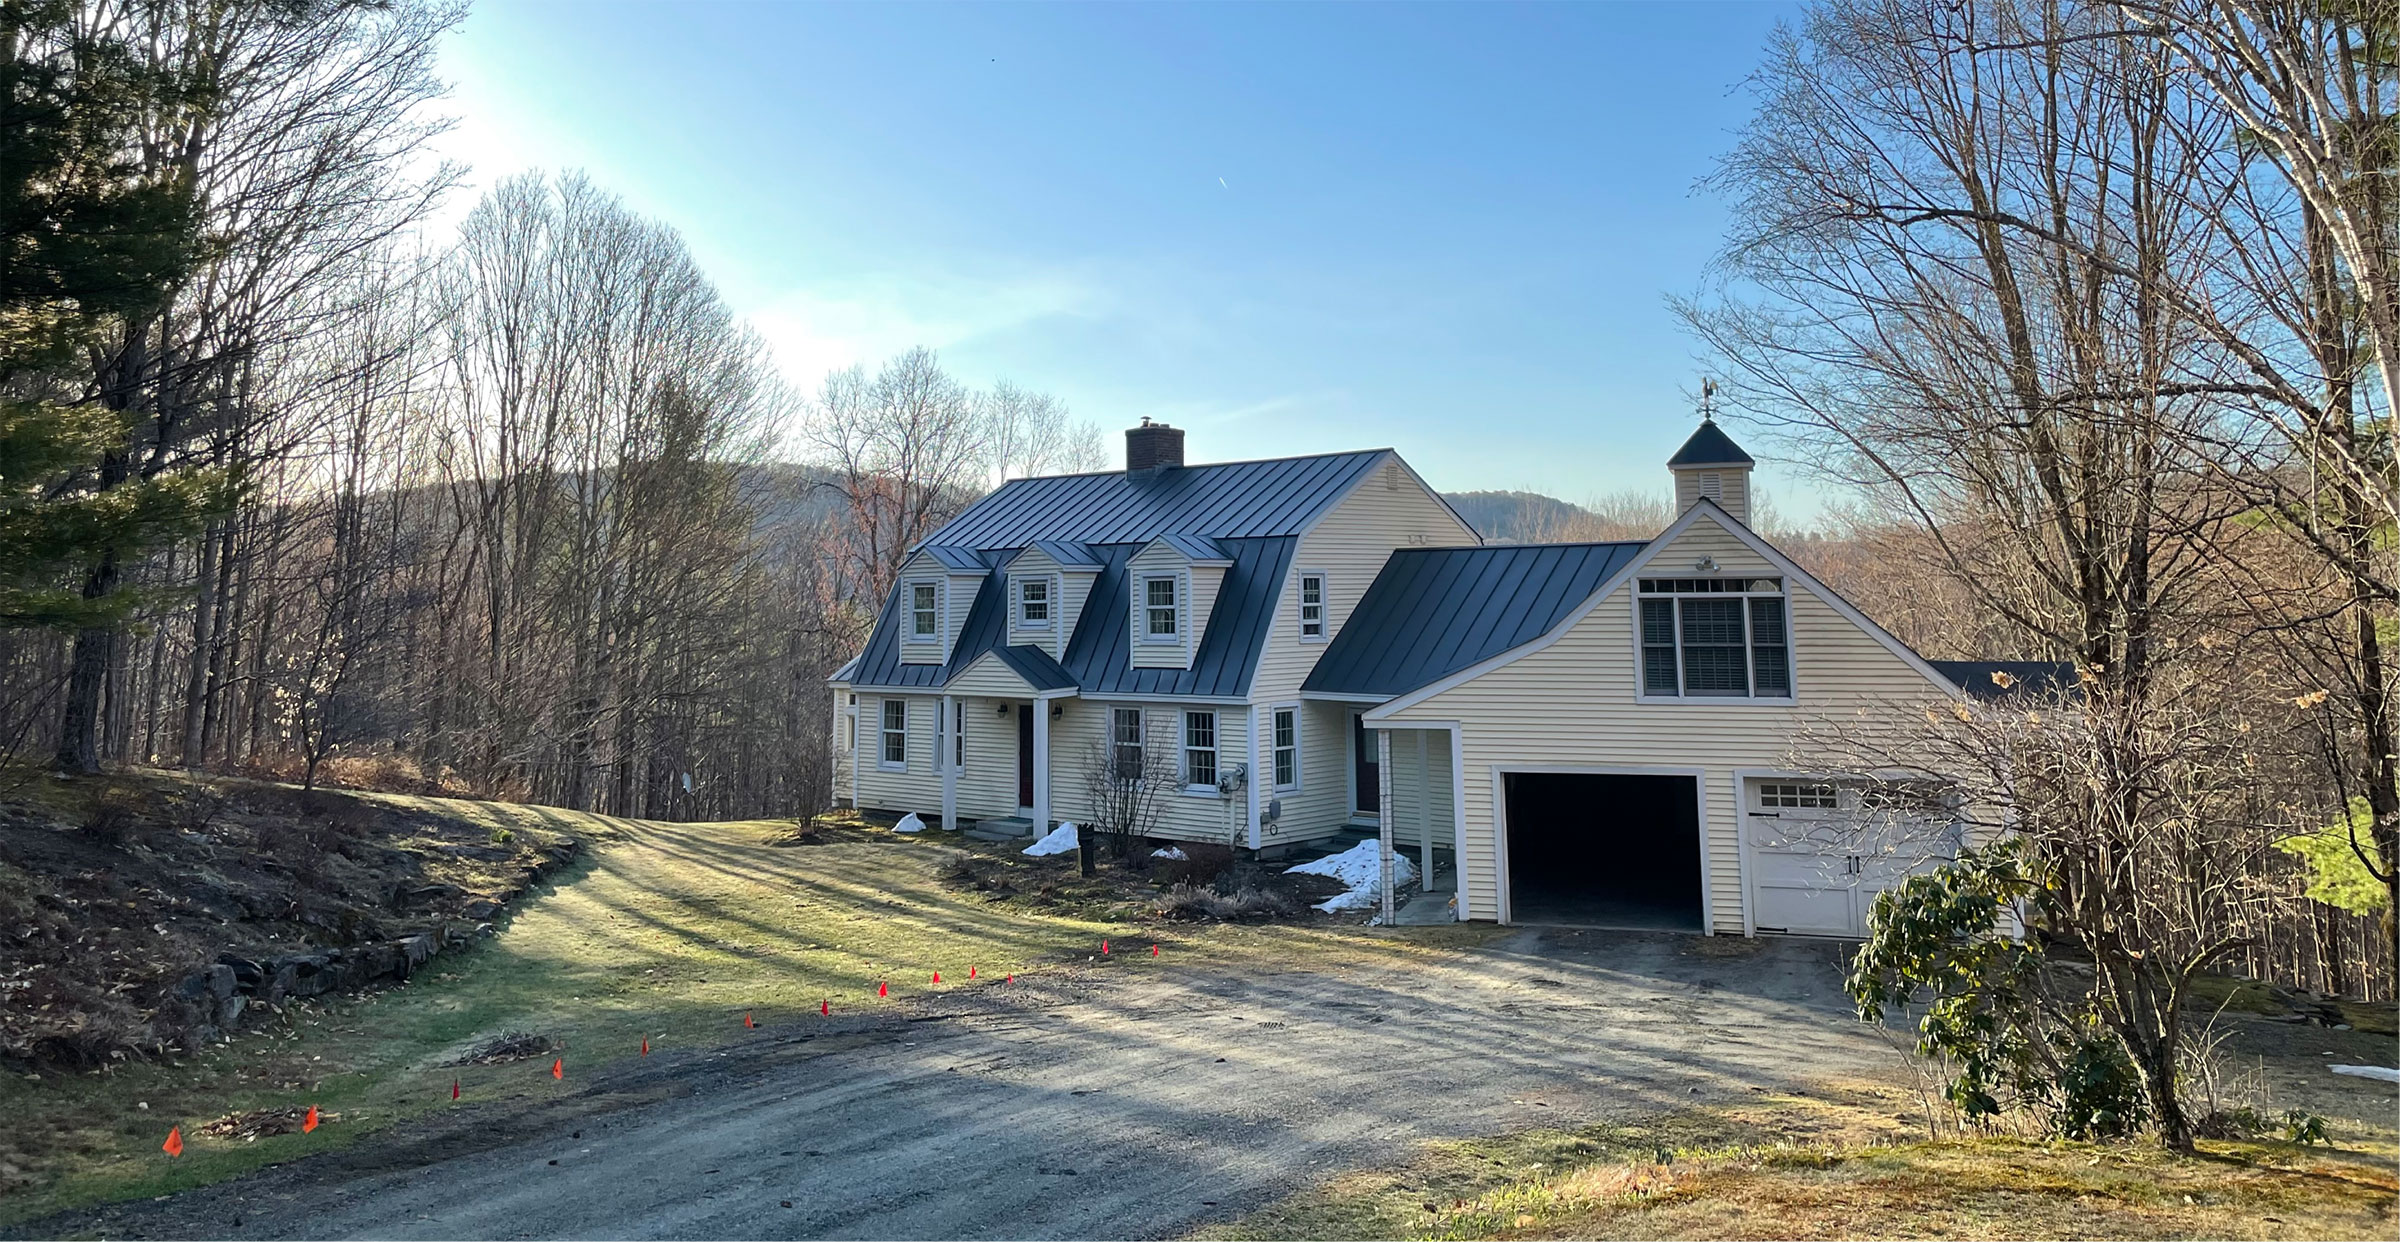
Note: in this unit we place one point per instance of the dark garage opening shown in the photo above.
(1604, 850)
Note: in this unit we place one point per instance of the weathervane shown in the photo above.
(1708, 400)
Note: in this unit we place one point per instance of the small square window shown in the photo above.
(1033, 603)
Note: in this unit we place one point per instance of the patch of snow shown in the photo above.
(2377, 1072)
(1062, 840)
(1171, 852)
(1361, 868)
(909, 823)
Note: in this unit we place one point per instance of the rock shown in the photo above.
(426, 895)
(221, 982)
(481, 908)
(229, 1011)
(415, 951)
(247, 974)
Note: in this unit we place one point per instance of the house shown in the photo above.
(1609, 733)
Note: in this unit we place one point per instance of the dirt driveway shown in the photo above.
(1129, 1098)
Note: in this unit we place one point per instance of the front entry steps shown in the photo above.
(1013, 828)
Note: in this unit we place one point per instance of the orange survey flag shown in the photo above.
(558, 1068)
(174, 1144)
(746, 1022)
(308, 1124)
(645, 1045)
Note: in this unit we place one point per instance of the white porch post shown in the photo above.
(1041, 767)
(1251, 792)
(1383, 808)
(947, 761)
(1424, 809)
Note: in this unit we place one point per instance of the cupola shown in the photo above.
(1710, 466)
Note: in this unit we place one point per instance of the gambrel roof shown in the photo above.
(1245, 515)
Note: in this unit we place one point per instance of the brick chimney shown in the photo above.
(1152, 446)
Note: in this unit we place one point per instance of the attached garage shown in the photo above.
(1817, 852)
(1605, 849)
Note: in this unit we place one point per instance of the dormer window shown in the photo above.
(1158, 610)
(1033, 603)
(924, 612)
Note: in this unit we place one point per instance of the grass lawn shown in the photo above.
(665, 932)
(1837, 1164)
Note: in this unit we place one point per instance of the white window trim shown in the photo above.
(908, 591)
(1141, 609)
(1299, 727)
(1324, 606)
(1049, 603)
(1791, 644)
(1183, 749)
(883, 731)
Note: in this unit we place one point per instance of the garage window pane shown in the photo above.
(1658, 646)
(1714, 661)
(1770, 650)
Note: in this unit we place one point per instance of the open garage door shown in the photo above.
(1604, 850)
(1820, 851)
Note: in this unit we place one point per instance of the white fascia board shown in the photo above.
(1633, 568)
(1329, 696)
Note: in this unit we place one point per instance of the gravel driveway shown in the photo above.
(1129, 1098)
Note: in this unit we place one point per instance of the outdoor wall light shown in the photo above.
(1004, 709)
(1057, 711)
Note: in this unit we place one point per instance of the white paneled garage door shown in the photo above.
(1819, 851)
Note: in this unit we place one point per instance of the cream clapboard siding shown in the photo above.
(1733, 490)
(845, 750)
(987, 783)
(1079, 734)
(1573, 703)
(918, 789)
(1390, 508)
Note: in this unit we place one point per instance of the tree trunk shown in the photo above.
(87, 675)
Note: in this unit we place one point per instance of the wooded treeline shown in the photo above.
(501, 512)
(2097, 307)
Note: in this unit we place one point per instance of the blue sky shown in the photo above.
(1287, 229)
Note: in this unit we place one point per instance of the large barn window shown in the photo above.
(1715, 638)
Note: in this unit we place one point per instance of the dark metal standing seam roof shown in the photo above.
(1710, 446)
(2027, 677)
(1098, 653)
(1226, 500)
(1434, 611)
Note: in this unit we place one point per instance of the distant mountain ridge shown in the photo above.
(1515, 517)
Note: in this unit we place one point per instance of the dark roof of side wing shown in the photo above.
(1220, 500)
(2036, 678)
(1434, 611)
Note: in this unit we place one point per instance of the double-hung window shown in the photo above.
(958, 736)
(1200, 749)
(895, 733)
(1158, 609)
(1033, 603)
(924, 612)
(1125, 743)
(1715, 638)
(1312, 605)
(1287, 747)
